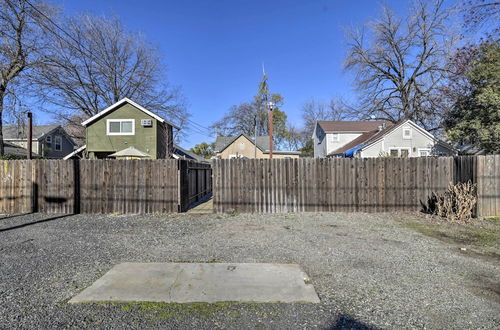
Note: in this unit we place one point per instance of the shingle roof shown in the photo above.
(178, 150)
(222, 142)
(16, 132)
(12, 149)
(363, 138)
(350, 126)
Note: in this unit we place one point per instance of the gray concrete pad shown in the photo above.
(201, 282)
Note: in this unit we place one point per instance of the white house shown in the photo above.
(329, 136)
(377, 139)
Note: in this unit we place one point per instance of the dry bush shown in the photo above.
(456, 204)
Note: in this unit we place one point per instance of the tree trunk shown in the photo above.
(2, 95)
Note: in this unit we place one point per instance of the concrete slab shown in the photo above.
(201, 282)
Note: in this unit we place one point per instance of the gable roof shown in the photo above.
(363, 138)
(222, 142)
(368, 138)
(20, 132)
(350, 126)
(136, 105)
(181, 152)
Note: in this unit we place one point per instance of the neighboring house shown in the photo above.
(49, 141)
(405, 139)
(332, 135)
(16, 151)
(127, 130)
(243, 146)
(181, 153)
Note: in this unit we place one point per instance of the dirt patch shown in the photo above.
(479, 239)
(483, 285)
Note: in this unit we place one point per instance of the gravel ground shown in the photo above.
(368, 270)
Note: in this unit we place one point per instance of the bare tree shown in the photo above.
(21, 49)
(95, 63)
(313, 111)
(482, 14)
(399, 71)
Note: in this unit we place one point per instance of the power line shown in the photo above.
(197, 127)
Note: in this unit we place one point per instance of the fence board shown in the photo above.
(365, 185)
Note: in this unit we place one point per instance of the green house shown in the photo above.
(127, 130)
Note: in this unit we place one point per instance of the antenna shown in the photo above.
(263, 69)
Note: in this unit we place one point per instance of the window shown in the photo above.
(424, 152)
(406, 133)
(400, 152)
(242, 145)
(58, 143)
(120, 127)
(48, 139)
(335, 137)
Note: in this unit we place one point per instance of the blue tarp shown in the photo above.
(352, 151)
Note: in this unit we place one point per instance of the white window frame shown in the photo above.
(48, 139)
(399, 151)
(335, 137)
(109, 121)
(409, 130)
(391, 149)
(428, 150)
(57, 139)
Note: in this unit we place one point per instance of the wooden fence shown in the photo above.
(195, 182)
(349, 185)
(96, 186)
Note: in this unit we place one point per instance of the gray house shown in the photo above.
(378, 139)
(49, 141)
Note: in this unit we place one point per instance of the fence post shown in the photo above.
(183, 185)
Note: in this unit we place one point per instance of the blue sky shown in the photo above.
(215, 49)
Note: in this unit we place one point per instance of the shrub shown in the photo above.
(456, 204)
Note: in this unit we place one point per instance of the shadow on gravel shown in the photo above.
(35, 222)
(14, 215)
(347, 322)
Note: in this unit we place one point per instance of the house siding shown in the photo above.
(144, 139)
(344, 138)
(47, 150)
(319, 142)
(243, 147)
(394, 140)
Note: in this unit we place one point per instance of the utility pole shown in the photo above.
(270, 106)
(30, 134)
(255, 137)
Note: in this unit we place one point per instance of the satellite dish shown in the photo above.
(372, 117)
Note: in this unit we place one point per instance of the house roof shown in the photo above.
(363, 138)
(75, 153)
(222, 142)
(369, 138)
(12, 149)
(136, 105)
(20, 132)
(181, 152)
(130, 152)
(350, 126)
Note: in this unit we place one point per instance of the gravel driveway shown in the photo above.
(368, 270)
